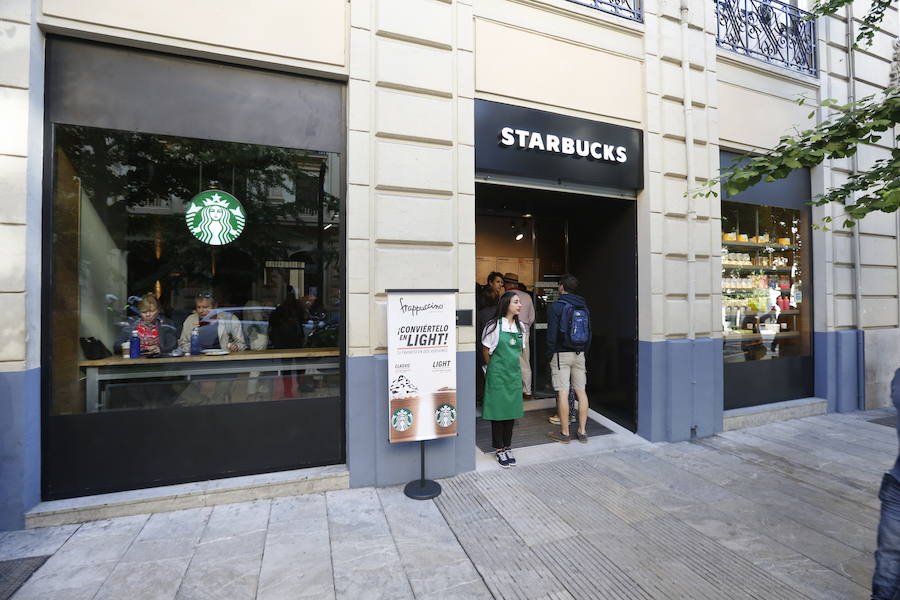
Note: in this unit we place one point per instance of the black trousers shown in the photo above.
(501, 432)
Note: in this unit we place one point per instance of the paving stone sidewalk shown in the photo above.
(784, 511)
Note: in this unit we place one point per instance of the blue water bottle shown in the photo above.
(195, 341)
(134, 348)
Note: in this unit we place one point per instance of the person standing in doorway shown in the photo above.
(494, 287)
(526, 317)
(568, 338)
(490, 298)
(501, 345)
(886, 580)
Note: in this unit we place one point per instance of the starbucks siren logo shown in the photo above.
(445, 415)
(402, 419)
(215, 217)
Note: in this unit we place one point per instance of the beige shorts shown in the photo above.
(567, 370)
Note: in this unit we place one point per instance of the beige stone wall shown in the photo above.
(869, 299)
(667, 237)
(410, 159)
(15, 111)
(758, 104)
(550, 71)
(305, 35)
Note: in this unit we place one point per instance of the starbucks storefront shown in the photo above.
(556, 194)
(193, 269)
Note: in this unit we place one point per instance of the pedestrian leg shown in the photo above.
(562, 409)
(886, 580)
(583, 407)
(498, 434)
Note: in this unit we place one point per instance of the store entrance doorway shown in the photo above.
(538, 235)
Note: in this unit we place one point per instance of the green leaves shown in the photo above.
(870, 22)
(859, 123)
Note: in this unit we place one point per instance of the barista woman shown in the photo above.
(156, 332)
(217, 329)
(501, 345)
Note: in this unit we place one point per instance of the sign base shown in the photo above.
(422, 489)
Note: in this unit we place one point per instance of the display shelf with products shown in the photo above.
(764, 253)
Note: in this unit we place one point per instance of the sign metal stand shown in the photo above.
(422, 373)
(422, 489)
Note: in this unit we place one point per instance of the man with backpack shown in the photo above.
(568, 338)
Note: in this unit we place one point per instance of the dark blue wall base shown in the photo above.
(679, 389)
(20, 446)
(840, 369)
(371, 459)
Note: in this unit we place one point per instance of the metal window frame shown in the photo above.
(770, 31)
(632, 10)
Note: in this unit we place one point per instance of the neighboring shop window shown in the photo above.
(231, 250)
(765, 282)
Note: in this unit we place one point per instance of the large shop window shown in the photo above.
(766, 292)
(193, 264)
(220, 261)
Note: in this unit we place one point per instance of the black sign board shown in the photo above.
(512, 140)
(791, 192)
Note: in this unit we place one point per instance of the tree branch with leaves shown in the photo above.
(865, 121)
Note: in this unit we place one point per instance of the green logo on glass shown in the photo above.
(215, 217)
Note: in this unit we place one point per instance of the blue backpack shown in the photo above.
(575, 327)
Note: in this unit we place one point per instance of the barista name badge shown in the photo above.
(215, 217)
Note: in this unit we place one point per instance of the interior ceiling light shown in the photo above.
(518, 234)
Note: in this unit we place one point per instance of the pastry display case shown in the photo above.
(765, 308)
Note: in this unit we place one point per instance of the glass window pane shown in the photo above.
(220, 261)
(766, 311)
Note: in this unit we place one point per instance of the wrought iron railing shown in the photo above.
(770, 31)
(629, 9)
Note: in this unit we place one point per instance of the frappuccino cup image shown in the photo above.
(404, 408)
(444, 410)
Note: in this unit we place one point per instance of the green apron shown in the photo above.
(503, 381)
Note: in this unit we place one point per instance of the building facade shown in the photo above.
(373, 145)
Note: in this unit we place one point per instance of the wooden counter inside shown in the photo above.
(116, 360)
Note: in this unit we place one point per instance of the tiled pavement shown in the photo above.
(780, 512)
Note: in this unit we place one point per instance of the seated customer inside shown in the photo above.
(157, 334)
(217, 330)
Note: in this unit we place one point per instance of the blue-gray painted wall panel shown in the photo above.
(20, 446)
(679, 389)
(371, 458)
(651, 411)
(840, 369)
(708, 388)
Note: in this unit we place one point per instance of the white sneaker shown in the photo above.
(502, 460)
(510, 458)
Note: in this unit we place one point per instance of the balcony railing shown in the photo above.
(629, 9)
(768, 30)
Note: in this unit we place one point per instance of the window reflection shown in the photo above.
(216, 318)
